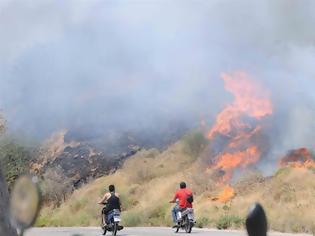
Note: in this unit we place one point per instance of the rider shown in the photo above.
(185, 197)
(112, 201)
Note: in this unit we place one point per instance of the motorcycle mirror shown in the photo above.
(24, 203)
(256, 221)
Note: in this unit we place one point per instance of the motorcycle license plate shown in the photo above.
(116, 218)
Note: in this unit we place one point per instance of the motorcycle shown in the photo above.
(185, 219)
(112, 224)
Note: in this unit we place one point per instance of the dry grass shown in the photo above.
(148, 180)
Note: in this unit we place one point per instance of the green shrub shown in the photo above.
(282, 171)
(14, 160)
(195, 142)
(131, 219)
(202, 222)
(228, 221)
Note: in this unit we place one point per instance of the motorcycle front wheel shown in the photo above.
(176, 229)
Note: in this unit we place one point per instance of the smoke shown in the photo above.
(96, 66)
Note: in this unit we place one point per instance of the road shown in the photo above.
(137, 231)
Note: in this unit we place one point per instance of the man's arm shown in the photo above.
(104, 198)
(174, 199)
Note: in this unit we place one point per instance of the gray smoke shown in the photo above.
(140, 65)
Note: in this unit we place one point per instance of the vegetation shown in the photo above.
(14, 160)
(228, 221)
(55, 187)
(148, 180)
(2, 124)
(195, 142)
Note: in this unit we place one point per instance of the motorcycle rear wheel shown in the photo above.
(104, 225)
(114, 229)
(188, 226)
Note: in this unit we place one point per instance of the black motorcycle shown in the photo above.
(185, 220)
(112, 223)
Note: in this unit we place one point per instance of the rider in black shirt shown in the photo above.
(112, 201)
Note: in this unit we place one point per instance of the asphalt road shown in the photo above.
(141, 231)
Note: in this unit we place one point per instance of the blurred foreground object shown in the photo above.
(25, 203)
(5, 226)
(256, 221)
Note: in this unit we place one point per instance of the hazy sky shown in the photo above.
(140, 64)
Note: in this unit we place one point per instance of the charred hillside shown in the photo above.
(84, 155)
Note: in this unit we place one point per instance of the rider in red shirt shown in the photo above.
(182, 194)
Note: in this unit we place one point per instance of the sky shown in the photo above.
(142, 65)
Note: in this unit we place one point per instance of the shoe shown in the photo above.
(120, 227)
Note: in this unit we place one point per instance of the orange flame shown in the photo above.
(226, 195)
(299, 158)
(244, 158)
(239, 122)
(249, 100)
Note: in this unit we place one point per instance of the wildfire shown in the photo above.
(249, 100)
(299, 158)
(226, 195)
(238, 125)
(241, 158)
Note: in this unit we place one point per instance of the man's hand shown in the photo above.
(100, 201)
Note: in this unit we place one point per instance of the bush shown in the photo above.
(195, 142)
(14, 159)
(228, 221)
(131, 219)
(282, 171)
(202, 222)
(2, 124)
(56, 186)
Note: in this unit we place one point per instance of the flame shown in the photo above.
(250, 99)
(239, 123)
(244, 158)
(298, 158)
(226, 195)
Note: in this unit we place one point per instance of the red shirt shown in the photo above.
(182, 195)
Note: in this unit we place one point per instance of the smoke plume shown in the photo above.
(98, 66)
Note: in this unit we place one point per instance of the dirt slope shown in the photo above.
(147, 181)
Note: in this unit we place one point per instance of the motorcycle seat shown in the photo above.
(114, 212)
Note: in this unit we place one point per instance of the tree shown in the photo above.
(5, 226)
(14, 160)
(2, 124)
(56, 186)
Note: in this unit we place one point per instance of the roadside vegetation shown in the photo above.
(14, 160)
(148, 180)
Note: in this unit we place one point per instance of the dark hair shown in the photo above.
(182, 185)
(111, 188)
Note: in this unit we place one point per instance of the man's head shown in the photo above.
(111, 188)
(182, 185)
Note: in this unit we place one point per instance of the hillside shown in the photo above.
(148, 179)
